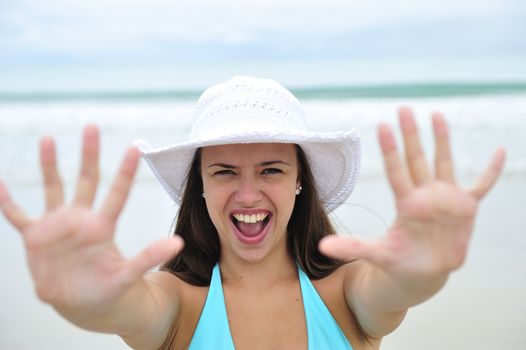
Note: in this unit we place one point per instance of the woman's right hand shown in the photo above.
(70, 249)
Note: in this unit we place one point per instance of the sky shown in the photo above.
(61, 45)
(190, 30)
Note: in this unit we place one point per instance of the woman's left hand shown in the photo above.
(430, 235)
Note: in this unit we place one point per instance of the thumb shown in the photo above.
(346, 248)
(155, 254)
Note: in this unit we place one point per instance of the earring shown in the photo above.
(203, 195)
(298, 190)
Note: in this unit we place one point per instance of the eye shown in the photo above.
(271, 171)
(225, 172)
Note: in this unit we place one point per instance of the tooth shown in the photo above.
(250, 219)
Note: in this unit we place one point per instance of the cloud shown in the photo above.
(133, 28)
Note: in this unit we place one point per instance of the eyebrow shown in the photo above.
(265, 163)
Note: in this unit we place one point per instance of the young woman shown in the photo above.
(254, 262)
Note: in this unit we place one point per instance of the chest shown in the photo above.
(267, 319)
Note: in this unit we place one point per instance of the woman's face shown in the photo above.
(250, 192)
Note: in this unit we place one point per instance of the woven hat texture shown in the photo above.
(252, 110)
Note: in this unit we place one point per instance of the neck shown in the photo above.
(262, 274)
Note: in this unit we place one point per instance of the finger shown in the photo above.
(443, 163)
(14, 214)
(346, 249)
(53, 188)
(114, 202)
(396, 171)
(89, 172)
(155, 254)
(413, 150)
(486, 181)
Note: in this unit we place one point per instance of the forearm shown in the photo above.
(385, 292)
(380, 299)
(141, 310)
(112, 316)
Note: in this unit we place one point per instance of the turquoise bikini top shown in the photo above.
(213, 332)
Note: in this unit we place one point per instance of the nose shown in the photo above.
(248, 193)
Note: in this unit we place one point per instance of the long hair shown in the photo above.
(308, 224)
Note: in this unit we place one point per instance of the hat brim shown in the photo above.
(334, 160)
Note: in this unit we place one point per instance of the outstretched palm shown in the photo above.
(70, 249)
(435, 216)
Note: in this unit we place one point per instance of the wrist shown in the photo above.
(107, 316)
(404, 290)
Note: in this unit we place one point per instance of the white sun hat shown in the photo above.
(251, 110)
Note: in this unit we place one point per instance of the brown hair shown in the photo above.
(308, 224)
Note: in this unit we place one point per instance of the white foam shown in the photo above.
(479, 125)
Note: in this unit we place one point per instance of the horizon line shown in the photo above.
(313, 91)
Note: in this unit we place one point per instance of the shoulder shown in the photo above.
(331, 288)
(333, 284)
(332, 291)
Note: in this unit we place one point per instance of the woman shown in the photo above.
(261, 266)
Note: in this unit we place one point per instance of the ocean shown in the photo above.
(482, 116)
(482, 307)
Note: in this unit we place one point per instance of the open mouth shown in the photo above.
(251, 228)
